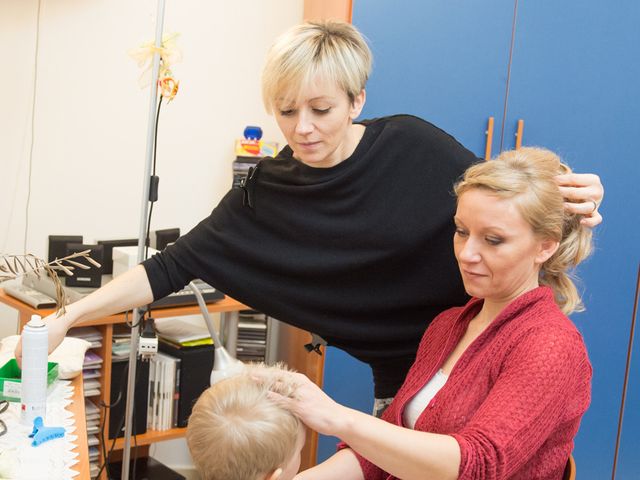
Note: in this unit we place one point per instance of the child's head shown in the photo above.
(236, 432)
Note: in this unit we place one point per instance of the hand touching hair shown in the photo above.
(237, 432)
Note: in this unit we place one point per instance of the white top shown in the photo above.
(419, 402)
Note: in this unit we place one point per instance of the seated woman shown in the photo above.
(499, 386)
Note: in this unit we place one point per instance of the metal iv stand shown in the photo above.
(142, 237)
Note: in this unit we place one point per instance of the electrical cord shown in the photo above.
(106, 407)
(153, 188)
(33, 121)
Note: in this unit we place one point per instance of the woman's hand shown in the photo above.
(131, 289)
(309, 403)
(584, 193)
(57, 328)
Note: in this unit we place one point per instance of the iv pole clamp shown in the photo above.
(137, 314)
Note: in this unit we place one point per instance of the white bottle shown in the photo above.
(35, 348)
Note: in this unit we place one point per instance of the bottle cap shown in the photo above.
(36, 321)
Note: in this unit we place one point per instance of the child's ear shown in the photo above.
(274, 475)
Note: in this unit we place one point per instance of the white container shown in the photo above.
(125, 258)
(35, 352)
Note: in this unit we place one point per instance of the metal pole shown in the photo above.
(142, 237)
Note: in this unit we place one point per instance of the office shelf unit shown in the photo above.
(105, 326)
(293, 353)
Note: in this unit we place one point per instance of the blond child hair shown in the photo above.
(236, 432)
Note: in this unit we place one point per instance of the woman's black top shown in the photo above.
(359, 253)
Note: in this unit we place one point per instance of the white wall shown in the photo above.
(90, 116)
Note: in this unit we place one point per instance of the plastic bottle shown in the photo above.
(35, 347)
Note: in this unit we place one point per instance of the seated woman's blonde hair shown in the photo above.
(329, 50)
(236, 432)
(527, 176)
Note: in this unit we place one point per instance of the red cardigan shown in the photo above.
(514, 399)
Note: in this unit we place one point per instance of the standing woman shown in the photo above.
(499, 386)
(345, 233)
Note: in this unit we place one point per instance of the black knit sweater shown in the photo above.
(359, 253)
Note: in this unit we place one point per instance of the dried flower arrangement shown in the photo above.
(169, 54)
(15, 266)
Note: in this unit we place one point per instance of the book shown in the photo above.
(178, 330)
(91, 359)
(151, 396)
(90, 373)
(90, 407)
(164, 393)
(176, 395)
(191, 343)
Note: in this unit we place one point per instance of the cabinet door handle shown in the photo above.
(634, 316)
(519, 134)
(489, 134)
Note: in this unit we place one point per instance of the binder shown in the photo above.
(119, 384)
(196, 364)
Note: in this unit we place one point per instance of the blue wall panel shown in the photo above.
(442, 60)
(349, 382)
(574, 81)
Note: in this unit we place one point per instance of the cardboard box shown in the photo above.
(11, 379)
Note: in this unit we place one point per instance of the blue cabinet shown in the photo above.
(443, 61)
(573, 79)
(574, 82)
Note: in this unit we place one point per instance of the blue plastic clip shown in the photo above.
(43, 434)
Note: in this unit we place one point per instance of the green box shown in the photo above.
(11, 378)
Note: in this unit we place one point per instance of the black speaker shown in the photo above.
(107, 258)
(58, 247)
(161, 238)
(86, 278)
(196, 364)
(118, 401)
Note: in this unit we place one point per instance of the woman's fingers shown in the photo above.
(581, 187)
(584, 193)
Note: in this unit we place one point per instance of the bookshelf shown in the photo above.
(293, 354)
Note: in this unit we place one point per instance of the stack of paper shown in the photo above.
(90, 334)
(252, 336)
(91, 379)
(121, 342)
(182, 332)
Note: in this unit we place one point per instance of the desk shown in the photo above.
(77, 408)
(50, 458)
(105, 325)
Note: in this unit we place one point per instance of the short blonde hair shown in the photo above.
(329, 50)
(527, 176)
(236, 432)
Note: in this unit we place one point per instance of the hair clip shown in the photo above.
(43, 434)
(316, 342)
(247, 184)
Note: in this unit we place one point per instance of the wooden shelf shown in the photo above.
(227, 304)
(152, 436)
